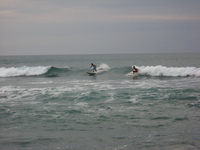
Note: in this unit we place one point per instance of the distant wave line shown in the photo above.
(52, 71)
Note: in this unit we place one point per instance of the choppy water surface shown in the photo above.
(57, 105)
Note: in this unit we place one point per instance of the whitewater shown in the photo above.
(103, 68)
(50, 102)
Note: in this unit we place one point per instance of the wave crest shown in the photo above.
(23, 71)
(51, 71)
(169, 71)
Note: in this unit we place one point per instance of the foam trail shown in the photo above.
(103, 68)
(169, 71)
(23, 71)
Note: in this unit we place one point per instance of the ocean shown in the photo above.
(51, 103)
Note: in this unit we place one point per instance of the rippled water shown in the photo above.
(63, 107)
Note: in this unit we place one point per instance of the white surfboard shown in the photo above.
(91, 73)
(131, 74)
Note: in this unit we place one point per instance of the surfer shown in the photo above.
(135, 70)
(94, 67)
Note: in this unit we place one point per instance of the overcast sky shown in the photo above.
(35, 27)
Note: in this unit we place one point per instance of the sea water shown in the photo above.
(50, 102)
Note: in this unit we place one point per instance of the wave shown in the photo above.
(169, 71)
(52, 71)
(23, 71)
(30, 71)
(47, 71)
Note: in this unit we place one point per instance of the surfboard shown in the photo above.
(135, 74)
(131, 74)
(91, 73)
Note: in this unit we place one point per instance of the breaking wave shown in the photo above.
(170, 71)
(51, 71)
(23, 71)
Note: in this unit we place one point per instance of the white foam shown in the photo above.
(11, 92)
(64, 67)
(47, 82)
(169, 71)
(82, 104)
(23, 71)
(103, 68)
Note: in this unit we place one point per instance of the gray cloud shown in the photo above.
(81, 27)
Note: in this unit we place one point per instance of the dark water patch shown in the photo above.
(181, 97)
(124, 94)
(82, 123)
(5, 111)
(122, 116)
(151, 124)
(181, 119)
(152, 94)
(195, 104)
(110, 128)
(161, 118)
(103, 106)
(103, 118)
(181, 94)
(49, 98)
(3, 97)
(119, 138)
(73, 112)
(46, 98)
(18, 144)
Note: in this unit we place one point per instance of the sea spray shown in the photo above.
(103, 68)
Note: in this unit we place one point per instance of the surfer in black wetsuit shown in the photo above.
(94, 67)
(135, 70)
